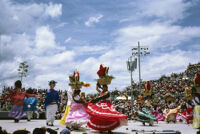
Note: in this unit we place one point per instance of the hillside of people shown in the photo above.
(173, 86)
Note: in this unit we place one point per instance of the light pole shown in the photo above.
(0, 45)
(140, 51)
(131, 66)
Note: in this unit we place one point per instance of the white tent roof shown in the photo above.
(123, 98)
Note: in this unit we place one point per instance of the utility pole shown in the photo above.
(140, 51)
(0, 45)
(131, 66)
(139, 65)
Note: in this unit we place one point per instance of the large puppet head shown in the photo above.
(103, 70)
(76, 75)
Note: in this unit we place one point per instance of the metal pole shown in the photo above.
(0, 45)
(139, 66)
(131, 89)
(131, 70)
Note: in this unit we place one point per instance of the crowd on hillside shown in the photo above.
(174, 84)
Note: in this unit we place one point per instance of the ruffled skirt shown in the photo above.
(104, 116)
(77, 115)
(17, 112)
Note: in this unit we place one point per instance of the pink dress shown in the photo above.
(77, 114)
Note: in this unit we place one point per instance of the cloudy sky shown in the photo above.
(55, 37)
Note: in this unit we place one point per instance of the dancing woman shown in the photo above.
(104, 117)
(77, 115)
(17, 101)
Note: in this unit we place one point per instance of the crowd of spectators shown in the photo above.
(174, 84)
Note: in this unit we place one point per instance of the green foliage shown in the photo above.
(23, 69)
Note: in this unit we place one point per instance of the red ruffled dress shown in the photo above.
(104, 117)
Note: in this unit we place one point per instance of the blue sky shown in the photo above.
(56, 37)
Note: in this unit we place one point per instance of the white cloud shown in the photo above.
(68, 39)
(93, 20)
(45, 41)
(175, 61)
(169, 10)
(54, 60)
(41, 81)
(25, 17)
(90, 49)
(158, 35)
(21, 47)
(53, 10)
(61, 25)
(44, 38)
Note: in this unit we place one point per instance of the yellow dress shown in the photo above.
(68, 107)
(62, 121)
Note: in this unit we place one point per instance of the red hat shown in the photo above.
(148, 85)
(101, 70)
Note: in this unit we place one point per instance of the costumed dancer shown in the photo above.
(17, 101)
(157, 111)
(188, 94)
(77, 115)
(147, 89)
(187, 114)
(69, 103)
(144, 114)
(104, 116)
(158, 115)
(30, 105)
(196, 100)
(52, 102)
(171, 115)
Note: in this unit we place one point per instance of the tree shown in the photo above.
(23, 69)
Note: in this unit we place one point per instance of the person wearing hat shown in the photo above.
(52, 101)
(76, 116)
(103, 115)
